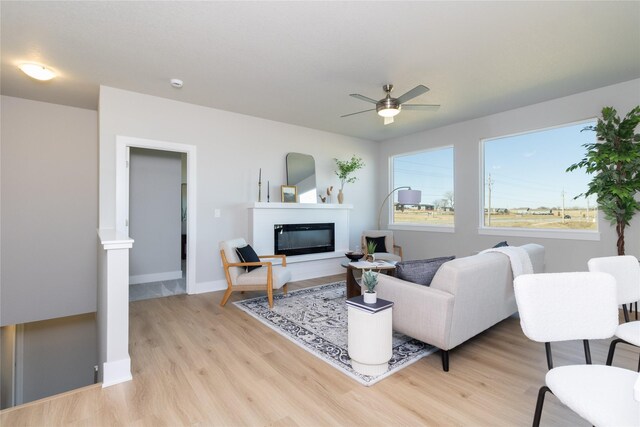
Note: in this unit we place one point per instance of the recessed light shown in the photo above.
(37, 71)
(177, 83)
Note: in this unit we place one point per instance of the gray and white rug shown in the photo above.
(316, 319)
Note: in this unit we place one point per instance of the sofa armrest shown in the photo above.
(419, 311)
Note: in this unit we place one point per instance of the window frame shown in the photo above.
(547, 233)
(443, 228)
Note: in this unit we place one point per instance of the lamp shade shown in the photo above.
(409, 197)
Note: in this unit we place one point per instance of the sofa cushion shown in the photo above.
(247, 254)
(379, 242)
(420, 271)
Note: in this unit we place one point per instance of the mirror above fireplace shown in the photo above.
(301, 172)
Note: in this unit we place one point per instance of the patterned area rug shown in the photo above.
(316, 319)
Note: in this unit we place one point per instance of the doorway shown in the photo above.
(156, 221)
(187, 155)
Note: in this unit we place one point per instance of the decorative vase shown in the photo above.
(370, 257)
(340, 196)
(370, 297)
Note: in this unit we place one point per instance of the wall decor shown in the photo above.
(289, 194)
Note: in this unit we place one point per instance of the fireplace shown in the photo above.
(301, 239)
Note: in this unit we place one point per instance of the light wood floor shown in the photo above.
(195, 363)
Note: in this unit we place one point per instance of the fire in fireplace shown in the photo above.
(301, 239)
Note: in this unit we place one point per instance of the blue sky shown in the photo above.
(527, 170)
(429, 171)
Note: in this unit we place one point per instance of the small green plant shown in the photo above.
(371, 247)
(348, 168)
(370, 280)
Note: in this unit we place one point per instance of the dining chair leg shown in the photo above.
(587, 352)
(540, 402)
(284, 289)
(612, 349)
(547, 349)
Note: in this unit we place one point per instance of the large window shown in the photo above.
(431, 172)
(526, 185)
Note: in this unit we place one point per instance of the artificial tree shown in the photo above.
(614, 162)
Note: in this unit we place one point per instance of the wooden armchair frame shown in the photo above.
(258, 287)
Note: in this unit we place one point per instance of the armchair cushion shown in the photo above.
(259, 277)
(420, 271)
(247, 254)
(379, 242)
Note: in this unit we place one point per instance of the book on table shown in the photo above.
(371, 265)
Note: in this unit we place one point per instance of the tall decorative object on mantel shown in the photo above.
(614, 161)
(260, 186)
(345, 171)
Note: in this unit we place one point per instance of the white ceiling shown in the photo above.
(297, 62)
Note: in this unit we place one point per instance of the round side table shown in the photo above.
(369, 335)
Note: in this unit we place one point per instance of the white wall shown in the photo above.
(154, 215)
(49, 210)
(231, 149)
(57, 355)
(561, 255)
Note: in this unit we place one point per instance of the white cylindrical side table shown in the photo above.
(369, 335)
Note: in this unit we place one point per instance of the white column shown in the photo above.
(113, 307)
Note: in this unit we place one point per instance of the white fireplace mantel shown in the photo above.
(263, 216)
(314, 206)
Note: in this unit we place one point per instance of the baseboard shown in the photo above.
(212, 286)
(116, 372)
(155, 277)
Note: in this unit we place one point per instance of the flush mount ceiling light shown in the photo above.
(37, 71)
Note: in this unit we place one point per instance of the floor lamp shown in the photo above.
(406, 196)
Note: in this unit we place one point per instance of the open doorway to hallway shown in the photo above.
(157, 223)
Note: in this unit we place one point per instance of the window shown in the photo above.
(431, 172)
(526, 185)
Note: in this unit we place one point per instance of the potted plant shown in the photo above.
(371, 250)
(345, 171)
(614, 161)
(370, 280)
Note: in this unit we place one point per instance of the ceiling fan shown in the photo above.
(389, 107)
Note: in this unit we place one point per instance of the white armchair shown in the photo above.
(268, 277)
(392, 251)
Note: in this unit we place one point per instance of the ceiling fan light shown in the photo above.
(37, 71)
(388, 112)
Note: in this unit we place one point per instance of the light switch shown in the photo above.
(216, 213)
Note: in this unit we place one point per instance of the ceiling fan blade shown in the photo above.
(416, 91)
(421, 107)
(388, 120)
(363, 98)
(363, 111)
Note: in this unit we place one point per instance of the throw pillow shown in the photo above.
(501, 244)
(420, 271)
(379, 241)
(247, 254)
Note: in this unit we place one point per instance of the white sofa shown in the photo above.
(467, 296)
